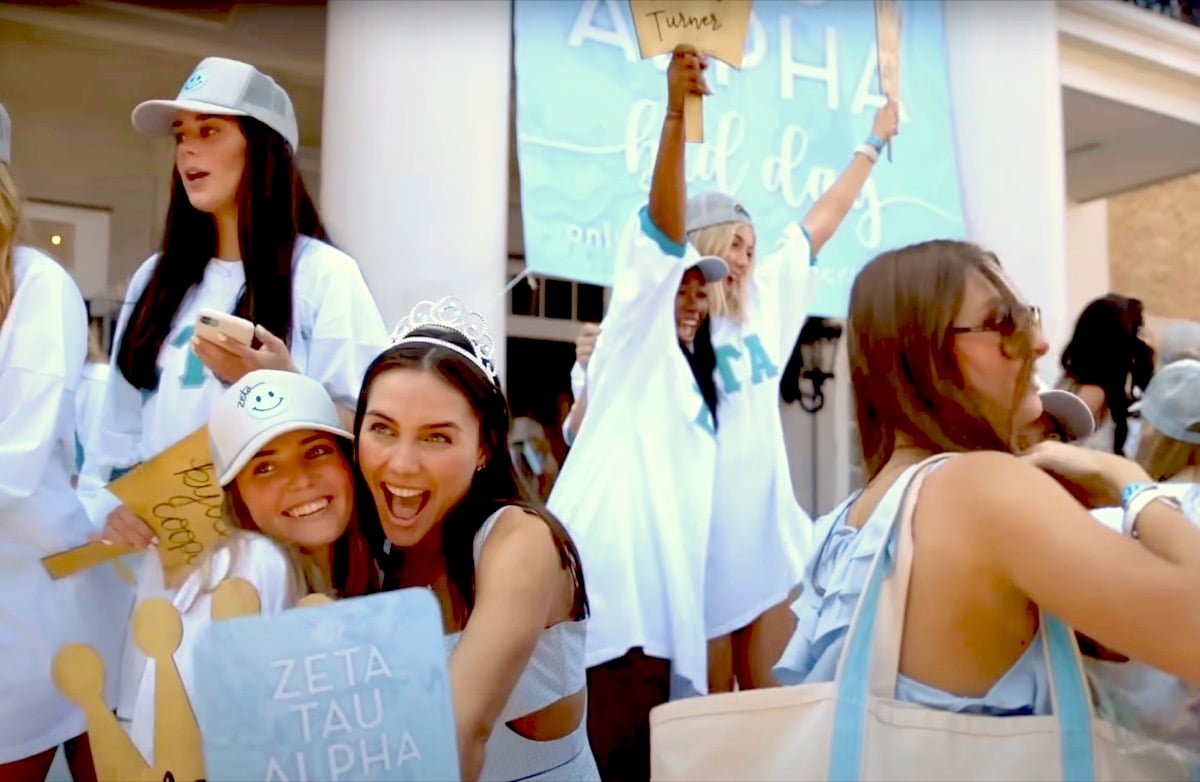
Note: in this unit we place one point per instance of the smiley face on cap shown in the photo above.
(262, 401)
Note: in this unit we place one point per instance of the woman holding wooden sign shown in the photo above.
(242, 236)
(43, 342)
(284, 459)
(451, 514)
(760, 537)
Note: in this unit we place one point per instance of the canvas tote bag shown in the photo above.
(853, 728)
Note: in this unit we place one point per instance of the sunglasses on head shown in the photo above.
(1015, 326)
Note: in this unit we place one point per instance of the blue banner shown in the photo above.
(777, 133)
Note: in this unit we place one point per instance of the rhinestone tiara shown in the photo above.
(451, 314)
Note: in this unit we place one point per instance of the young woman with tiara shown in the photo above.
(284, 460)
(451, 515)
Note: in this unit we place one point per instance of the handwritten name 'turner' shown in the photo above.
(684, 21)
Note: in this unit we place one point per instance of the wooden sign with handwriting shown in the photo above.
(889, 24)
(176, 493)
(716, 28)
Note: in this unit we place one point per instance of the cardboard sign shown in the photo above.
(355, 689)
(717, 28)
(889, 24)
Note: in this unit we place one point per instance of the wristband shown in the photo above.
(1134, 500)
(876, 142)
(868, 151)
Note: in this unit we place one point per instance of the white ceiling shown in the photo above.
(1112, 147)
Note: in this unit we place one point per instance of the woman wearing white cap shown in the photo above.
(760, 536)
(43, 341)
(284, 460)
(242, 236)
(636, 490)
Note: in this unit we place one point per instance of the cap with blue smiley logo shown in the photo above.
(195, 81)
(261, 402)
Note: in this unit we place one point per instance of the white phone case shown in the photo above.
(210, 323)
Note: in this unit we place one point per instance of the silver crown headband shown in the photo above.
(451, 314)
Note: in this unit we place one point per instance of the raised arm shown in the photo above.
(668, 187)
(831, 208)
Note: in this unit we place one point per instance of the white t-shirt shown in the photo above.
(336, 333)
(761, 537)
(88, 402)
(636, 490)
(43, 343)
(253, 557)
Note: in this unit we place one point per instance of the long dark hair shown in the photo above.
(1106, 351)
(702, 358)
(493, 487)
(274, 208)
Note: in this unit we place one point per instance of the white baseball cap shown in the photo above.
(261, 406)
(1071, 412)
(1171, 402)
(225, 88)
(5, 137)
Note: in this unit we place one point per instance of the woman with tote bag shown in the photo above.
(932, 636)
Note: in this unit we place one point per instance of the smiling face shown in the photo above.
(691, 306)
(210, 156)
(299, 488)
(418, 450)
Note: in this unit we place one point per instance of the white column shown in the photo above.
(1007, 102)
(414, 149)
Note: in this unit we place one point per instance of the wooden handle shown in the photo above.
(693, 118)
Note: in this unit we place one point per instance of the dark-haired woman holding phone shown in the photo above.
(242, 236)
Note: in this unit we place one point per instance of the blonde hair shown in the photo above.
(724, 300)
(1165, 457)
(10, 219)
(95, 353)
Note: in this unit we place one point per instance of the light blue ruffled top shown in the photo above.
(833, 580)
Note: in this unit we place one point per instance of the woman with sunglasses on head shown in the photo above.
(937, 326)
(450, 514)
(284, 461)
(636, 489)
(242, 236)
(760, 536)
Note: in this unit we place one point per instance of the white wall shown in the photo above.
(1087, 254)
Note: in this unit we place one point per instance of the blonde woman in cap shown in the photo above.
(284, 460)
(43, 341)
(760, 536)
(242, 236)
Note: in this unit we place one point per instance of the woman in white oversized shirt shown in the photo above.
(761, 537)
(636, 489)
(242, 236)
(43, 341)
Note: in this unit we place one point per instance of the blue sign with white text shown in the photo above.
(777, 133)
(352, 690)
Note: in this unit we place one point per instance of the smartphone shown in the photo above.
(210, 323)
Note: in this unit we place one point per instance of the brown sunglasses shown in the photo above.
(1015, 325)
